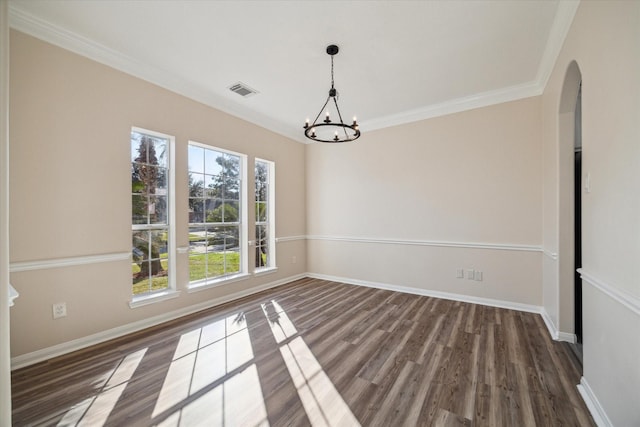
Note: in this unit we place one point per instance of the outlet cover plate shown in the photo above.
(59, 310)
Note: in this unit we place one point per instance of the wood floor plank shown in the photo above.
(315, 352)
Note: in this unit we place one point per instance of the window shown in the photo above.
(265, 235)
(217, 215)
(152, 213)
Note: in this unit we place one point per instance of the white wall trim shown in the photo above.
(624, 298)
(549, 254)
(44, 30)
(593, 404)
(59, 36)
(290, 238)
(479, 100)
(553, 330)
(559, 30)
(16, 267)
(492, 246)
(429, 293)
(100, 337)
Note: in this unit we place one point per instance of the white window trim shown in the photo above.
(271, 216)
(244, 228)
(153, 297)
(204, 284)
(170, 292)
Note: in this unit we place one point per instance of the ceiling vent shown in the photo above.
(242, 89)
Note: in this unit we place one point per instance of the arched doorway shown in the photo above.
(570, 211)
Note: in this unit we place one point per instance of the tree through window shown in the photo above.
(150, 212)
(215, 208)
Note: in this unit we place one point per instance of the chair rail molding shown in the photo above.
(630, 301)
(16, 267)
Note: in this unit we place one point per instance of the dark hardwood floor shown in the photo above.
(315, 353)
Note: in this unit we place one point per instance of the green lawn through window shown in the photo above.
(201, 266)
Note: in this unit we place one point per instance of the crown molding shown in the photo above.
(58, 36)
(559, 30)
(484, 99)
(76, 43)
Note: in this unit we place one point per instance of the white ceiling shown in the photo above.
(399, 61)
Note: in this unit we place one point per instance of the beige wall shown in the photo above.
(604, 41)
(468, 178)
(70, 193)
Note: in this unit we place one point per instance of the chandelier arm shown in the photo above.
(340, 117)
(321, 110)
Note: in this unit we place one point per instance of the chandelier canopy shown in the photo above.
(328, 130)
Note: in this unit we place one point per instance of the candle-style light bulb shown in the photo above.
(327, 119)
(306, 124)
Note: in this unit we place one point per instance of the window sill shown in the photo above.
(264, 271)
(153, 298)
(208, 284)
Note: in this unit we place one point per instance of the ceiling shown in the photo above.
(399, 61)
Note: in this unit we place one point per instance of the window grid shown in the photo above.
(150, 214)
(215, 212)
(264, 256)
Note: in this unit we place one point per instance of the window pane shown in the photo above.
(139, 209)
(229, 235)
(140, 246)
(135, 145)
(150, 205)
(196, 210)
(197, 266)
(213, 162)
(264, 241)
(160, 147)
(215, 253)
(196, 159)
(161, 182)
(214, 211)
(158, 210)
(149, 266)
(232, 189)
(261, 211)
(230, 211)
(196, 184)
(261, 246)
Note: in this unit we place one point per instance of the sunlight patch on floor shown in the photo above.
(96, 410)
(322, 402)
(203, 357)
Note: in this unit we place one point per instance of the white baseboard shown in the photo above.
(553, 330)
(436, 294)
(100, 337)
(590, 399)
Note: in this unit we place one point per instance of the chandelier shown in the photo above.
(327, 130)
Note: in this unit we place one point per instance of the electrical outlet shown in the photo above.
(294, 259)
(470, 274)
(478, 276)
(460, 273)
(59, 310)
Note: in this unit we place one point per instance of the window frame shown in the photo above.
(270, 215)
(170, 291)
(207, 283)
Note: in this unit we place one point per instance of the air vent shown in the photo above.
(242, 89)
